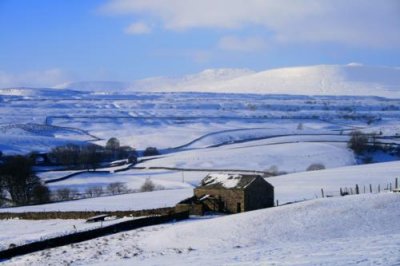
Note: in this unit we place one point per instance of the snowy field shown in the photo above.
(38, 119)
(261, 156)
(288, 188)
(352, 230)
(24, 231)
(125, 202)
(19, 232)
(203, 131)
(307, 185)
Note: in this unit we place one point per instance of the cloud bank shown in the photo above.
(357, 23)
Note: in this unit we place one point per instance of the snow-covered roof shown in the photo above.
(228, 181)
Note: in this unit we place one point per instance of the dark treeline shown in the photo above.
(90, 156)
(364, 145)
(20, 186)
(18, 183)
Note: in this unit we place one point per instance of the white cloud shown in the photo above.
(138, 28)
(45, 78)
(355, 22)
(242, 44)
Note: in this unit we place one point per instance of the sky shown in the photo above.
(44, 43)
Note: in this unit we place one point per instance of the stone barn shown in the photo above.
(229, 193)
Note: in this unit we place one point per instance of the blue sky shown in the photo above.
(48, 42)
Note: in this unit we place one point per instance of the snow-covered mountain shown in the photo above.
(351, 79)
(193, 82)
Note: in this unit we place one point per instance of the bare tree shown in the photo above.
(65, 155)
(112, 144)
(358, 142)
(40, 194)
(117, 188)
(273, 170)
(147, 186)
(300, 126)
(90, 156)
(66, 194)
(94, 191)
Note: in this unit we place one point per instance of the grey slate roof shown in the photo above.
(228, 181)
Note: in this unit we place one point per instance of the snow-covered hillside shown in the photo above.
(353, 230)
(288, 188)
(261, 156)
(319, 80)
(125, 202)
(193, 82)
(189, 120)
(351, 79)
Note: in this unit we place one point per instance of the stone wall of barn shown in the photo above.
(192, 208)
(258, 195)
(232, 200)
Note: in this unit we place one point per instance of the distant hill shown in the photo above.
(193, 82)
(351, 79)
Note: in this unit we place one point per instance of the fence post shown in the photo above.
(322, 192)
(379, 188)
(390, 187)
(277, 203)
(396, 183)
(370, 188)
(357, 189)
(341, 192)
(364, 189)
(351, 191)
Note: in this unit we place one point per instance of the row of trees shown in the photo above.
(90, 156)
(20, 186)
(364, 145)
(114, 188)
(362, 142)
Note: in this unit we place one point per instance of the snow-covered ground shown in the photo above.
(231, 129)
(179, 185)
(352, 230)
(23, 231)
(260, 155)
(125, 202)
(307, 185)
(38, 119)
(19, 232)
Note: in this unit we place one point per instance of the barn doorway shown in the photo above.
(238, 207)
